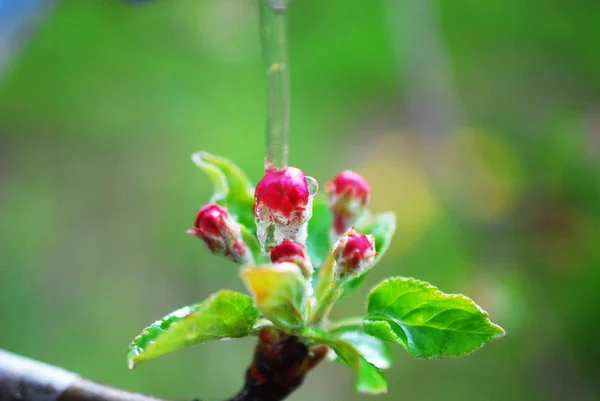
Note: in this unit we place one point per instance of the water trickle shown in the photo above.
(269, 232)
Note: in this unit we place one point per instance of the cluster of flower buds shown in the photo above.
(354, 254)
(220, 232)
(283, 205)
(293, 252)
(348, 194)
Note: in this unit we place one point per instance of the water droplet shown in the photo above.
(313, 185)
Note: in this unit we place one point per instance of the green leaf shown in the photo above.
(318, 242)
(383, 228)
(425, 321)
(374, 350)
(224, 314)
(232, 188)
(369, 379)
(280, 293)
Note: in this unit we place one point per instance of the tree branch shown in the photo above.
(278, 368)
(23, 379)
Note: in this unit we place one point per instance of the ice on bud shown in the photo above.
(354, 253)
(283, 205)
(220, 232)
(285, 195)
(293, 252)
(348, 194)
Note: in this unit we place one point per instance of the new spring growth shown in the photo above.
(354, 254)
(283, 205)
(293, 252)
(348, 194)
(220, 232)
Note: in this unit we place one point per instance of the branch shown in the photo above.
(278, 368)
(23, 379)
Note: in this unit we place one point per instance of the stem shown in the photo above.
(325, 304)
(278, 368)
(273, 31)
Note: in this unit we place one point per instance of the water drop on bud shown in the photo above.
(348, 194)
(220, 232)
(293, 252)
(283, 205)
(313, 185)
(354, 253)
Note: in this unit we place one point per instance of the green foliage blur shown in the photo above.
(477, 122)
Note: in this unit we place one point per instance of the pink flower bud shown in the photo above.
(220, 232)
(354, 253)
(283, 197)
(293, 252)
(348, 195)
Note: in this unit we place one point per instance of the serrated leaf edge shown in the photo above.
(181, 313)
(437, 291)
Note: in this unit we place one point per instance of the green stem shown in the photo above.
(326, 303)
(349, 323)
(273, 31)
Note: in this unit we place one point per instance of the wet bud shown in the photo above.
(283, 201)
(348, 195)
(220, 232)
(354, 253)
(293, 252)
(285, 196)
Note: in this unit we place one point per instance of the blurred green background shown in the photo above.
(477, 122)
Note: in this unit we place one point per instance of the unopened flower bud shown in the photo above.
(354, 253)
(220, 232)
(293, 252)
(348, 195)
(283, 199)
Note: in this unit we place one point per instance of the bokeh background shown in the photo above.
(477, 122)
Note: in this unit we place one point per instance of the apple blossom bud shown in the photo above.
(354, 253)
(348, 195)
(220, 232)
(283, 194)
(293, 252)
(283, 204)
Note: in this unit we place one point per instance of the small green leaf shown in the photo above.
(425, 321)
(280, 293)
(224, 314)
(318, 242)
(383, 228)
(374, 350)
(369, 379)
(381, 329)
(232, 188)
